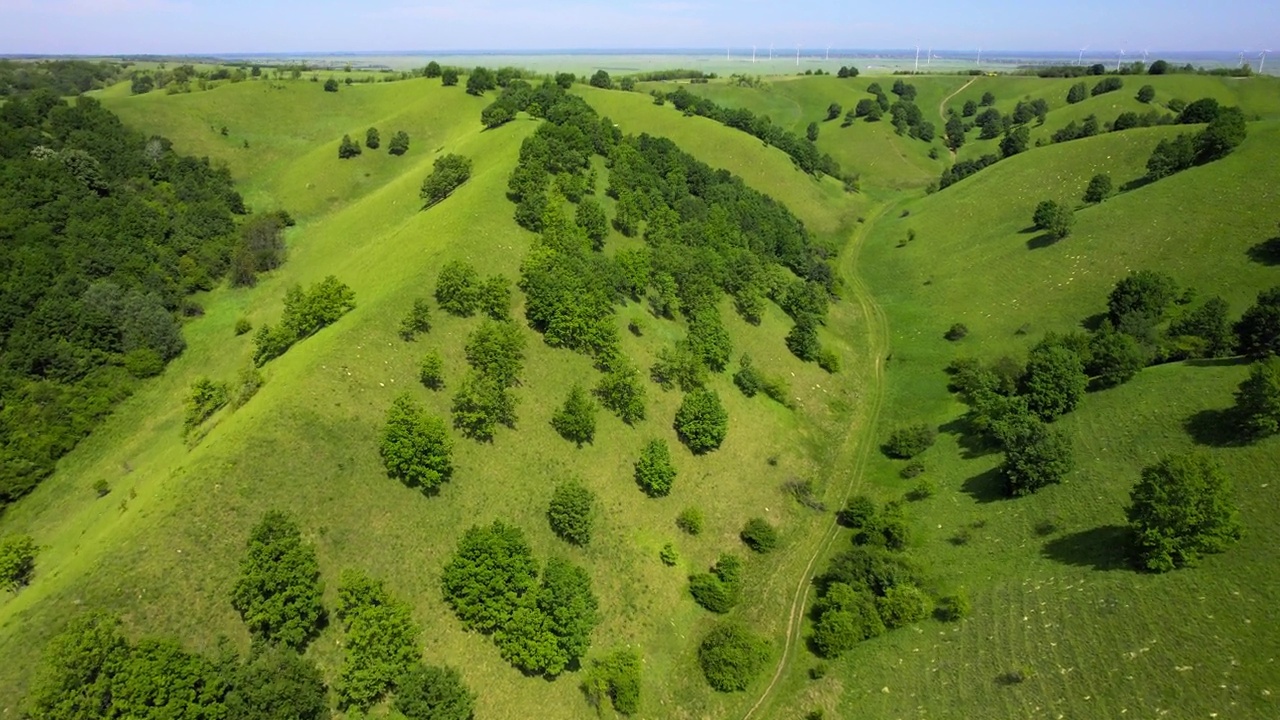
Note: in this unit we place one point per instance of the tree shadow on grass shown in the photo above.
(987, 487)
(1141, 182)
(1217, 362)
(1216, 428)
(1094, 322)
(1266, 252)
(1041, 241)
(972, 443)
(1106, 547)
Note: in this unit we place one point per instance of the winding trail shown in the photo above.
(942, 111)
(856, 446)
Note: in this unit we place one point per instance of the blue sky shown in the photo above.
(208, 26)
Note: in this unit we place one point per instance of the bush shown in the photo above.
(248, 383)
(399, 144)
(381, 641)
(101, 488)
(902, 605)
(495, 349)
(279, 591)
(571, 512)
(449, 172)
(372, 139)
(1099, 188)
(721, 589)
(1035, 456)
(956, 332)
(431, 371)
(1146, 94)
(1258, 399)
(331, 85)
(480, 405)
(428, 692)
(417, 321)
(923, 490)
(907, 442)
(243, 326)
(493, 297)
(731, 657)
(415, 447)
(653, 471)
(143, 362)
(746, 378)
(575, 421)
(690, 520)
(17, 561)
(205, 398)
(858, 513)
(616, 676)
(678, 367)
(622, 392)
(668, 555)
(1181, 509)
(911, 470)
(348, 148)
(457, 288)
(1054, 218)
(828, 360)
(953, 608)
(701, 421)
(759, 535)
(1259, 327)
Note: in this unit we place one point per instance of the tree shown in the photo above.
(432, 70)
(348, 148)
(448, 174)
(590, 216)
(909, 441)
(833, 111)
(1258, 398)
(428, 692)
(371, 139)
(399, 143)
(988, 99)
(495, 349)
(1199, 111)
(331, 85)
(601, 80)
(416, 321)
(902, 605)
(1054, 381)
(731, 657)
(1208, 329)
(1054, 218)
(1171, 156)
(1221, 136)
(759, 535)
(720, 589)
(488, 575)
(1015, 141)
(1139, 300)
(709, 340)
(701, 421)
(480, 405)
(845, 617)
(431, 371)
(277, 683)
(969, 109)
(1035, 456)
(415, 447)
(679, 367)
(279, 591)
(955, 132)
(1259, 327)
(1181, 509)
(576, 419)
(75, 677)
(1114, 357)
(571, 512)
(617, 676)
(1099, 188)
(381, 640)
(457, 288)
(17, 561)
(811, 132)
(1077, 93)
(654, 472)
(1159, 67)
(449, 77)
(1146, 94)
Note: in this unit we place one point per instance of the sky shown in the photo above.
(283, 26)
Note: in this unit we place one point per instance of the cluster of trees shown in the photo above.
(1225, 131)
(720, 589)
(847, 72)
(1204, 110)
(179, 79)
(81, 320)
(461, 292)
(305, 313)
(617, 677)
(17, 561)
(279, 591)
(492, 583)
(1057, 218)
(349, 148)
(448, 173)
(64, 78)
(415, 446)
(495, 352)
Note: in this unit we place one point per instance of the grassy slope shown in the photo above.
(167, 557)
(1101, 639)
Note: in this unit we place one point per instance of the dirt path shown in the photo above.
(942, 109)
(855, 447)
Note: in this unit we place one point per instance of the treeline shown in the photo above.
(1159, 67)
(103, 234)
(63, 78)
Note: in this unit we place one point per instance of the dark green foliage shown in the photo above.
(348, 148)
(74, 679)
(480, 405)
(1054, 381)
(1114, 358)
(590, 216)
(1181, 509)
(843, 617)
(372, 139)
(1159, 67)
(668, 555)
(1015, 141)
(833, 111)
(449, 77)
(680, 367)
(495, 349)
(493, 297)
(1099, 188)
(1078, 92)
(431, 371)
(206, 398)
(1146, 94)
(720, 589)
(616, 676)
(415, 447)
(1171, 156)
(847, 72)
(17, 561)
(428, 692)
(259, 248)
(571, 512)
(956, 332)
(380, 638)
(858, 513)
(811, 132)
(243, 326)
(701, 421)
(448, 173)
(331, 85)
(416, 321)
(708, 339)
(488, 575)
(279, 590)
(953, 608)
(1258, 398)
(1223, 134)
(480, 80)
(458, 288)
(1139, 301)
(553, 627)
(1204, 110)
(653, 471)
(305, 314)
(1035, 456)
(746, 378)
(907, 442)
(1259, 327)
(1206, 331)
(1226, 129)
(101, 488)
(759, 535)
(731, 657)
(1106, 85)
(575, 421)
(802, 340)
(399, 144)
(902, 605)
(988, 99)
(690, 520)
(622, 392)
(954, 130)
(601, 80)
(277, 684)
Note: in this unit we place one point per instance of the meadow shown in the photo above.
(1052, 590)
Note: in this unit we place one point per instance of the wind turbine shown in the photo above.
(928, 62)
(1080, 59)
(1145, 53)
(979, 57)
(1241, 61)
(1119, 60)
(797, 56)
(828, 52)
(1262, 60)
(770, 51)
(917, 70)
(753, 54)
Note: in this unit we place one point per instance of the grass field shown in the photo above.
(1050, 589)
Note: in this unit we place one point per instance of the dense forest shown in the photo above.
(63, 77)
(103, 234)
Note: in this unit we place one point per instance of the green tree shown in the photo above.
(1259, 327)
(480, 80)
(74, 678)
(279, 591)
(458, 288)
(902, 605)
(1208, 329)
(721, 589)
(654, 472)
(431, 371)
(1114, 358)
(988, 99)
(621, 391)
(591, 218)
(488, 576)
(1223, 134)
(277, 683)
(1139, 300)
(833, 111)
(17, 561)
(399, 144)
(495, 349)
(415, 447)
(206, 398)
(690, 521)
(955, 132)
(1258, 398)
(845, 617)
(1035, 456)
(701, 421)
(449, 172)
(380, 638)
(601, 80)
(811, 132)
(1159, 67)
(1015, 141)
(480, 405)
(416, 321)
(759, 535)
(493, 297)
(709, 340)
(731, 657)
(616, 676)
(1146, 94)
(909, 441)
(1182, 508)
(1099, 188)
(331, 85)
(571, 512)
(679, 366)
(449, 77)
(428, 692)
(432, 70)
(348, 148)
(575, 421)
(372, 139)
(1054, 381)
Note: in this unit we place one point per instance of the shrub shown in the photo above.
(616, 676)
(953, 608)
(1099, 188)
(101, 488)
(279, 591)
(428, 692)
(493, 297)
(678, 367)
(348, 148)
(399, 144)
(828, 360)
(571, 512)
(668, 555)
(17, 561)
(205, 398)
(381, 641)
(690, 520)
(731, 657)
(457, 288)
(911, 469)
(859, 512)
(1035, 456)
(417, 321)
(495, 349)
(372, 139)
(956, 332)
(654, 472)
(701, 421)
(143, 362)
(759, 535)
(480, 405)
(575, 421)
(622, 392)
(1054, 218)
(449, 172)
(902, 605)
(721, 589)
(248, 383)
(243, 326)
(431, 371)
(746, 378)
(1180, 509)
(1258, 398)
(415, 447)
(923, 490)
(1259, 327)
(330, 85)
(907, 442)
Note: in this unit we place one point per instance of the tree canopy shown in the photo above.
(448, 173)
(731, 656)
(415, 446)
(701, 421)
(1181, 509)
(279, 591)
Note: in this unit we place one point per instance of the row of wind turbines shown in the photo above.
(929, 56)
